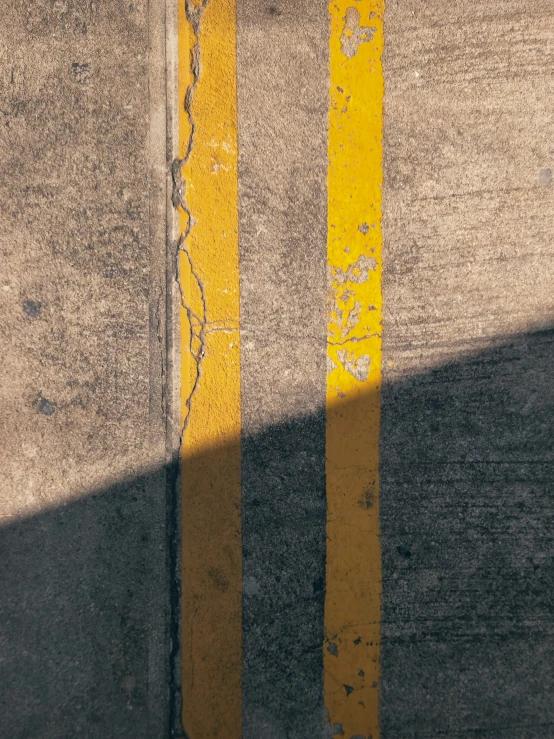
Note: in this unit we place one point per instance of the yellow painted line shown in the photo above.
(353, 587)
(207, 198)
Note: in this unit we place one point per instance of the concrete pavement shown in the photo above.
(169, 269)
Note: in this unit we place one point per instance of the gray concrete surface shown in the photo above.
(283, 224)
(466, 528)
(466, 446)
(84, 578)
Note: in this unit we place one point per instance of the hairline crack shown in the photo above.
(197, 324)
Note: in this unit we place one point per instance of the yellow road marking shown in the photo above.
(209, 280)
(353, 587)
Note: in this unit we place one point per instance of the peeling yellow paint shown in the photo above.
(210, 382)
(353, 586)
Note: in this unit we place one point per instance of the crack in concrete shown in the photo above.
(353, 338)
(194, 17)
(197, 324)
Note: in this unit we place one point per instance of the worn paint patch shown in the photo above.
(353, 587)
(206, 194)
(353, 34)
(357, 272)
(357, 365)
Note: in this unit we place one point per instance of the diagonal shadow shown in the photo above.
(467, 527)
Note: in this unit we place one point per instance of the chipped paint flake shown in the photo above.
(357, 272)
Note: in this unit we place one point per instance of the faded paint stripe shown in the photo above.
(353, 583)
(209, 278)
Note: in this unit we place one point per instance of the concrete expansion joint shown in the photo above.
(161, 349)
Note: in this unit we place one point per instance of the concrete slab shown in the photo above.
(467, 401)
(283, 223)
(85, 605)
(90, 510)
